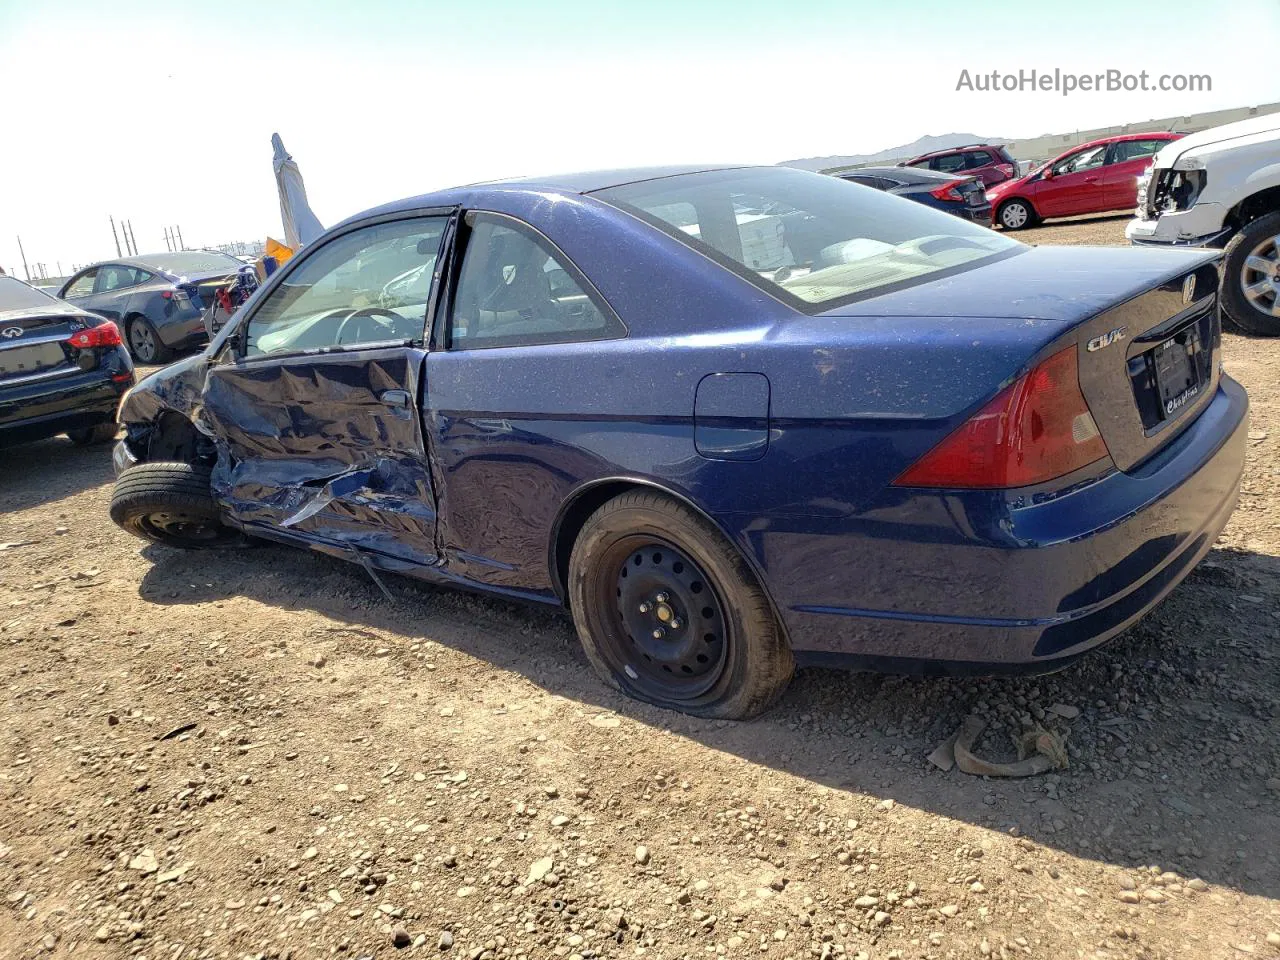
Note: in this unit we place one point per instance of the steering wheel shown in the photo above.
(378, 317)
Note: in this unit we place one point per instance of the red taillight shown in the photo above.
(948, 191)
(105, 334)
(1036, 429)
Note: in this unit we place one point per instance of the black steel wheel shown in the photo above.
(670, 613)
(171, 503)
(674, 626)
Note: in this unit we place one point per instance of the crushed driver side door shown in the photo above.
(314, 400)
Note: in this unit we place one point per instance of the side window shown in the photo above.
(878, 182)
(1135, 150)
(948, 163)
(514, 290)
(978, 158)
(115, 277)
(367, 286)
(82, 285)
(1083, 160)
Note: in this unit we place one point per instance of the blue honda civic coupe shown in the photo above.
(734, 419)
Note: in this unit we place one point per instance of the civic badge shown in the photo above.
(1189, 289)
(1107, 339)
(10, 332)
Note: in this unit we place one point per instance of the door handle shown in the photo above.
(1090, 179)
(397, 399)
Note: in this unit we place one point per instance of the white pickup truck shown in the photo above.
(1221, 188)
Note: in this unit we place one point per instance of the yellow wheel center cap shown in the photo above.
(664, 613)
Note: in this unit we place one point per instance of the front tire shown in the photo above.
(1251, 277)
(1016, 215)
(172, 504)
(89, 436)
(669, 612)
(145, 344)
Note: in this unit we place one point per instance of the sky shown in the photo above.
(162, 112)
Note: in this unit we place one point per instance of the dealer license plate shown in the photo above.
(1177, 371)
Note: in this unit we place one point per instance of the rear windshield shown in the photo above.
(807, 239)
(16, 295)
(194, 261)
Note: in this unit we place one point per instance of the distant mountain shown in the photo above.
(924, 145)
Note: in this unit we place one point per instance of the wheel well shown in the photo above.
(173, 437)
(1005, 201)
(572, 518)
(1254, 206)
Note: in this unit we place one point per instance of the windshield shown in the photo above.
(806, 238)
(194, 261)
(16, 295)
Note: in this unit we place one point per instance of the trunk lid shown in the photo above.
(33, 342)
(1143, 320)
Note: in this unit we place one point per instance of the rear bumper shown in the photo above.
(183, 328)
(46, 408)
(1020, 586)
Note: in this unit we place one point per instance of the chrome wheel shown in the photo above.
(1260, 276)
(1014, 215)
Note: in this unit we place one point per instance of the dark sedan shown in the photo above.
(963, 196)
(732, 419)
(62, 370)
(157, 300)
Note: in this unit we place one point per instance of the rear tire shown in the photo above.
(1251, 261)
(669, 612)
(1016, 214)
(89, 436)
(145, 344)
(172, 504)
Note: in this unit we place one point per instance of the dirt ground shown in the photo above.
(255, 754)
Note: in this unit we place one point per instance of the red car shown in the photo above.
(1091, 178)
(989, 162)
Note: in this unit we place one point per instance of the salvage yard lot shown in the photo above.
(255, 754)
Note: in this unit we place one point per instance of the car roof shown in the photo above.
(959, 149)
(1125, 137)
(590, 181)
(902, 174)
(144, 261)
(565, 184)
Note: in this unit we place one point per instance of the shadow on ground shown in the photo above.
(1169, 756)
(50, 470)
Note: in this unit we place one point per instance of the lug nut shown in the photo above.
(675, 624)
(658, 634)
(661, 598)
(645, 608)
